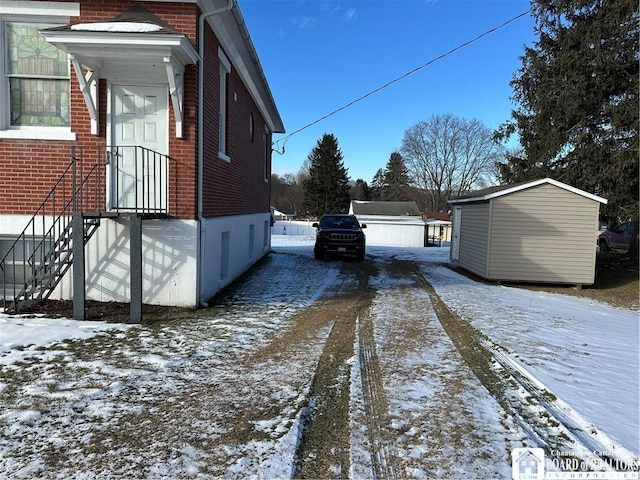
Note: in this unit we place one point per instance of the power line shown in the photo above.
(391, 82)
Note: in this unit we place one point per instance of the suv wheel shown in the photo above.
(603, 246)
(319, 254)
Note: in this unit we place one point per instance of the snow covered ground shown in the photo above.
(587, 353)
(72, 392)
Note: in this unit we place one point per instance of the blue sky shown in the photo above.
(320, 55)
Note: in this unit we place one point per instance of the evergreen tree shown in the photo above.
(327, 186)
(577, 92)
(396, 180)
(376, 190)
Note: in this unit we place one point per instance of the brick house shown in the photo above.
(135, 151)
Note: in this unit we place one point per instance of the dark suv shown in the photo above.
(616, 237)
(339, 233)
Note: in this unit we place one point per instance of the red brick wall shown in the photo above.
(237, 186)
(29, 168)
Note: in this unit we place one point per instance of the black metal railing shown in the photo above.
(140, 180)
(40, 256)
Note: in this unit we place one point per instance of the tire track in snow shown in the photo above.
(444, 423)
(549, 422)
(584, 433)
(324, 447)
(375, 401)
(328, 423)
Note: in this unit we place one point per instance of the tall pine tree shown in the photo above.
(327, 187)
(396, 180)
(376, 189)
(577, 92)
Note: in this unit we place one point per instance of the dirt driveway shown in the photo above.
(334, 369)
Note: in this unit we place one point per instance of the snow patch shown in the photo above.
(117, 27)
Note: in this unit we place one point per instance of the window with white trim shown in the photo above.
(225, 70)
(35, 79)
(35, 100)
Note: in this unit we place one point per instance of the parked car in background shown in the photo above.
(339, 233)
(616, 238)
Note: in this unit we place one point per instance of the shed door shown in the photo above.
(455, 240)
(140, 128)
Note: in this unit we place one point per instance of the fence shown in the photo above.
(293, 227)
(379, 233)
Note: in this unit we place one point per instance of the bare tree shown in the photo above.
(287, 194)
(447, 156)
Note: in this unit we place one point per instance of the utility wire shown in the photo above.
(440, 57)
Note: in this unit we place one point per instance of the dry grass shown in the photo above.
(324, 448)
(113, 312)
(323, 451)
(617, 282)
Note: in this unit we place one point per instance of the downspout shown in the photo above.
(203, 17)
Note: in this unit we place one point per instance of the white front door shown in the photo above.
(138, 148)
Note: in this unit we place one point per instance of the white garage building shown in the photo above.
(395, 224)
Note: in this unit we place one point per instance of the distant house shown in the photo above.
(441, 216)
(538, 231)
(135, 150)
(397, 224)
(438, 227)
(279, 215)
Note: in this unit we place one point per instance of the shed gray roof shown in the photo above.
(492, 192)
(388, 209)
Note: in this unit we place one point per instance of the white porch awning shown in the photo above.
(134, 46)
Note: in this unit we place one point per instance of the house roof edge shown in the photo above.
(245, 59)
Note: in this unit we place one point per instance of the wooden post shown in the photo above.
(79, 294)
(135, 270)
